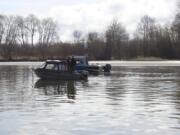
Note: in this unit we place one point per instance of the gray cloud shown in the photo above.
(92, 15)
(96, 16)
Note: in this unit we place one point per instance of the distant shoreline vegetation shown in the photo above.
(33, 39)
(42, 60)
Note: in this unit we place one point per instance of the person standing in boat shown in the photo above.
(72, 64)
(69, 64)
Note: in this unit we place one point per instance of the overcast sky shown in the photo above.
(92, 15)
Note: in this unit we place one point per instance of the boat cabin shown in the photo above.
(81, 60)
(56, 65)
(56, 69)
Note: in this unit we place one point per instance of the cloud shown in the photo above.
(93, 15)
(96, 16)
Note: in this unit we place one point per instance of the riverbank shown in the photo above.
(102, 63)
(39, 60)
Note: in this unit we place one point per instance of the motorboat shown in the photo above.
(83, 64)
(56, 69)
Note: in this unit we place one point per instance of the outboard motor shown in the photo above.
(107, 68)
(84, 75)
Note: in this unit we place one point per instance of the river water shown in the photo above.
(135, 99)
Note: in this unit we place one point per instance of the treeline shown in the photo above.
(23, 37)
(32, 38)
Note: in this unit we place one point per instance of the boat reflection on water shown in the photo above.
(57, 87)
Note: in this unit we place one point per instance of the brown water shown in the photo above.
(132, 100)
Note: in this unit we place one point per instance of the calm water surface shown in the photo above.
(132, 100)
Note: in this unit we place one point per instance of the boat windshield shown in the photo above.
(52, 66)
(42, 66)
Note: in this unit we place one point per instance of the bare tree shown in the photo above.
(10, 37)
(95, 45)
(3, 20)
(176, 26)
(77, 36)
(11, 31)
(146, 31)
(22, 30)
(115, 36)
(32, 23)
(48, 31)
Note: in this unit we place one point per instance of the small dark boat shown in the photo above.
(83, 64)
(58, 70)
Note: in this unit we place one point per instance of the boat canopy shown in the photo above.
(81, 59)
(56, 65)
(55, 62)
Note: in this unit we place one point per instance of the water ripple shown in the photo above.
(132, 100)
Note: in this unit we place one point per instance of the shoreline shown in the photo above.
(168, 63)
(133, 59)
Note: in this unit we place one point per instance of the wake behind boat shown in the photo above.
(59, 70)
